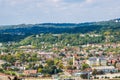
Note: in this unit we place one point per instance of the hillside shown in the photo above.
(18, 32)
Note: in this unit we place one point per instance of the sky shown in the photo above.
(57, 11)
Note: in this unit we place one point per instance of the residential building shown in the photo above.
(105, 69)
(94, 61)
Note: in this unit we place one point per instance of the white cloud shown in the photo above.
(90, 1)
(55, 1)
(58, 10)
(14, 2)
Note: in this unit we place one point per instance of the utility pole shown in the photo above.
(88, 75)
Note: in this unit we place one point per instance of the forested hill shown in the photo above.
(18, 32)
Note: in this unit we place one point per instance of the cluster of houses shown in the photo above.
(91, 54)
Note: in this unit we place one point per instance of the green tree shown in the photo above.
(84, 66)
(94, 72)
(84, 76)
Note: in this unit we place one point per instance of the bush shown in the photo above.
(118, 70)
(102, 77)
(84, 76)
(95, 77)
(22, 75)
(111, 72)
(105, 77)
(8, 72)
(13, 73)
(1, 70)
(115, 76)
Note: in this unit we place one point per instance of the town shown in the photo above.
(87, 61)
(59, 39)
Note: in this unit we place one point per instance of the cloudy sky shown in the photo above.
(58, 11)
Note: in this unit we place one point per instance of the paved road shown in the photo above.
(3, 77)
(109, 75)
(66, 73)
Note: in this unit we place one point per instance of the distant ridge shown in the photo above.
(18, 32)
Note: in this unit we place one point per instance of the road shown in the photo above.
(2, 77)
(109, 75)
